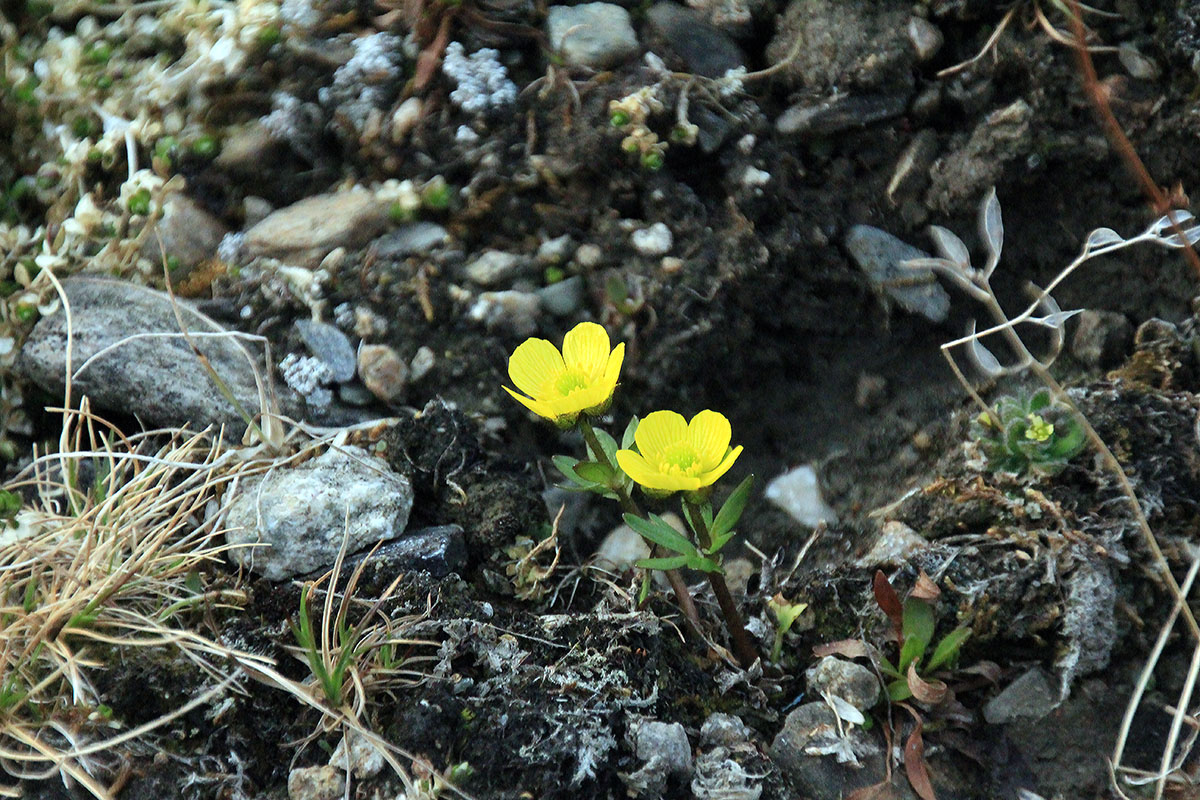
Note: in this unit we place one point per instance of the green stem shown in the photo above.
(743, 647)
(682, 596)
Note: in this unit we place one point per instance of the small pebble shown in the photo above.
(422, 362)
(589, 256)
(655, 240)
(383, 372)
(493, 268)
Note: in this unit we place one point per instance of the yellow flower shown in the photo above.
(560, 385)
(676, 455)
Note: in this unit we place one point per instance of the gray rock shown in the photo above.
(822, 763)
(896, 544)
(188, 233)
(556, 250)
(494, 267)
(316, 783)
(704, 49)
(439, 550)
(959, 179)
(717, 776)
(879, 255)
(156, 377)
(256, 209)
(841, 113)
(925, 37)
(654, 240)
(596, 35)
(845, 44)
(564, 298)
(409, 239)
(1030, 696)
(852, 682)
(665, 749)
(1101, 338)
(305, 232)
(383, 372)
(725, 730)
(330, 345)
(303, 513)
(735, 17)
(798, 492)
(356, 755)
(423, 361)
(513, 312)
(620, 549)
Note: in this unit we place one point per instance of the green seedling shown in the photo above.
(1029, 434)
(786, 613)
(330, 672)
(914, 622)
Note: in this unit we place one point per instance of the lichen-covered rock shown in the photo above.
(303, 513)
(148, 368)
(596, 35)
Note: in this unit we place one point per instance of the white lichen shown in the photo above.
(308, 376)
(482, 80)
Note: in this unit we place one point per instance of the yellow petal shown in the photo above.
(658, 432)
(712, 476)
(585, 348)
(613, 370)
(709, 433)
(533, 364)
(536, 406)
(645, 475)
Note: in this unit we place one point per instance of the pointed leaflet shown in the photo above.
(658, 531)
(627, 437)
(1101, 237)
(607, 443)
(1164, 223)
(947, 648)
(950, 246)
(674, 562)
(918, 631)
(722, 527)
(992, 226)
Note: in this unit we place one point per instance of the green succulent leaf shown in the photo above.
(947, 649)
(594, 472)
(918, 631)
(1039, 400)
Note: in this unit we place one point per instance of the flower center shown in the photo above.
(569, 382)
(681, 460)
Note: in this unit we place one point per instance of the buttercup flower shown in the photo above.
(675, 455)
(561, 385)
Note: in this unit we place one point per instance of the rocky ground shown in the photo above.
(385, 198)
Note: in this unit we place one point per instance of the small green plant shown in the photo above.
(1029, 434)
(663, 454)
(786, 613)
(10, 504)
(913, 623)
(330, 670)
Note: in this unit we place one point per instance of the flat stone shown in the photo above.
(494, 267)
(439, 551)
(596, 35)
(409, 239)
(316, 783)
(330, 345)
(705, 49)
(879, 255)
(838, 114)
(564, 298)
(1030, 696)
(509, 311)
(305, 232)
(665, 749)
(724, 730)
(188, 233)
(798, 492)
(155, 377)
(844, 44)
(822, 763)
(852, 682)
(303, 513)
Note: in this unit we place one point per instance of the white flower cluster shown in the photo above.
(482, 80)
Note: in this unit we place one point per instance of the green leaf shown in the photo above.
(947, 648)
(918, 631)
(674, 562)
(731, 511)
(1040, 399)
(886, 668)
(566, 465)
(1068, 444)
(898, 690)
(627, 437)
(718, 542)
(607, 443)
(659, 532)
(645, 591)
(593, 472)
(703, 564)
